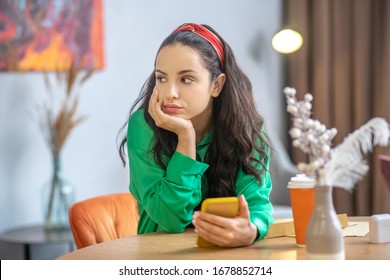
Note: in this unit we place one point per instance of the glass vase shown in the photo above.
(58, 196)
(324, 235)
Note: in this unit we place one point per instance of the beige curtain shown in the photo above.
(345, 64)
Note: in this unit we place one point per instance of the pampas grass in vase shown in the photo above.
(341, 166)
(58, 118)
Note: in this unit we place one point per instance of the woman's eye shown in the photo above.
(187, 80)
(161, 79)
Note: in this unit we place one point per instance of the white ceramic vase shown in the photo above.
(324, 235)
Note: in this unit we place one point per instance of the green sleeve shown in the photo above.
(257, 196)
(166, 198)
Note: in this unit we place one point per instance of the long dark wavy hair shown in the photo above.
(239, 139)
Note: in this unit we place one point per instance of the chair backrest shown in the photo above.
(385, 168)
(103, 218)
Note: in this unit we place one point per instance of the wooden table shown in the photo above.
(166, 246)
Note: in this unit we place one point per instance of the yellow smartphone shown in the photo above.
(221, 206)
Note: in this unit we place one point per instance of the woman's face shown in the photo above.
(184, 83)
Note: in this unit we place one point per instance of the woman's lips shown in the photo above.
(171, 108)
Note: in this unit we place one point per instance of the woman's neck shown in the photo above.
(203, 123)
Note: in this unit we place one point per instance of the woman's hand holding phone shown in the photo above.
(225, 231)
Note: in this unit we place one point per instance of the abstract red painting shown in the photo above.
(45, 35)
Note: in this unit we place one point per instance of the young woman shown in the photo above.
(197, 134)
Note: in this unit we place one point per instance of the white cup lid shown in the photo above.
(301, 181)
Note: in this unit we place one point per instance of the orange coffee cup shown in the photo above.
(302, 197)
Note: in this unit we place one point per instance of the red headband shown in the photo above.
(205, 34)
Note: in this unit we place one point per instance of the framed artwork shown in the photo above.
(48, 35)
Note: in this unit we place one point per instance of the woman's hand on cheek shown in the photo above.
(183, 128)
(226, 232)
(174, 124)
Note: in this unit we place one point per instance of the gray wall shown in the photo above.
(133, 32)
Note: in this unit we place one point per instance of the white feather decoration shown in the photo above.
(346, 165)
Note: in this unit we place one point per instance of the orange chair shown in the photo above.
(385, 168)
(103, 218)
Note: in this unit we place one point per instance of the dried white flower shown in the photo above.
(308, 97)
(309, 135)
(295, 132)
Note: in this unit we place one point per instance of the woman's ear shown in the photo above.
(218, 84)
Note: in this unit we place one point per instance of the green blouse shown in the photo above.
(167, 197)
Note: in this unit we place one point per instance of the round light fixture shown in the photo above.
(287, 41)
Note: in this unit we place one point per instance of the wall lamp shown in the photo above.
(287, 41)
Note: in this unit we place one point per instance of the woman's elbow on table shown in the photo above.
(173, 227)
